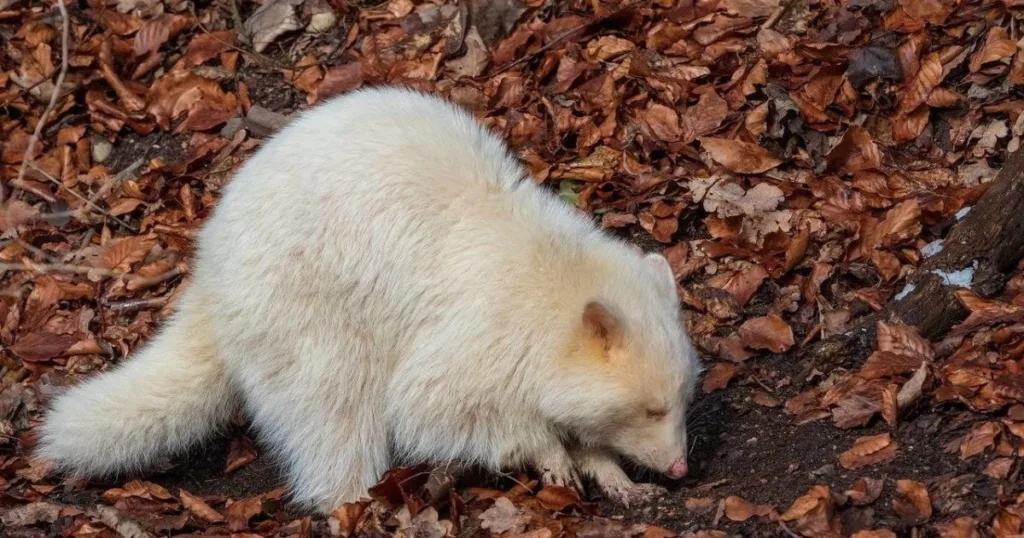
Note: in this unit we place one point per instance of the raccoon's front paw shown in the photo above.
(556, 468)
(633, 494)
(561, 477)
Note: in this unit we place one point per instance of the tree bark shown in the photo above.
(989, 239)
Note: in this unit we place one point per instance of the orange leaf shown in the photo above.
(767, 332)
(120, 254)
(718, 377)
(198, 507)
(869, 450)
(912, 500)
(740, 157)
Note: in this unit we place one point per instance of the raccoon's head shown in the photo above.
(630, 372)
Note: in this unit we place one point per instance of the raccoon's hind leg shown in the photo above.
(323, 417)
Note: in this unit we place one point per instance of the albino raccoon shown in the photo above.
(383, 283)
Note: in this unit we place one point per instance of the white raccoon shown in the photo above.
(383, 283)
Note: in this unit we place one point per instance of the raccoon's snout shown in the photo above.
(678, 469)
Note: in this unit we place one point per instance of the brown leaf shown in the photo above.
(869, 450)
(340, 79)
(738, 509)
(120, 254)
(814, 514)
(198, 507)
(503, 517)
(998, 468)
(740, 157)
(718, 377)
(767, 332)
(865, 491)
(929, 76)
(243, 452)
(662, 121)
(962, 527)
(30, 514)
(742, 285)
(42, 346)
(903, 340)
(558, 498)
(981, 437)
(884, 363)
(998, 46)
(704, 117)
(930, 11)
(155, 32)
(240, 512)
(607, 47)
(182, 93)
(877, 533)
(731, 348)
(856, 151)
(206, 46)
(272, 20)
(912, 500)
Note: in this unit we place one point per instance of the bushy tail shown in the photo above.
(171, 394)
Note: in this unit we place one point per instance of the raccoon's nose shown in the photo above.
(678, 469)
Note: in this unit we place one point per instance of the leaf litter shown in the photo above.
(793, 159)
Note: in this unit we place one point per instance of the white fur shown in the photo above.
(382, 283)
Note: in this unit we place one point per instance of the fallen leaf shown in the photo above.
(718, 377)
(42, 346)
(503, 517)
(240, 512)
(30, 514)
(962, 527)
(122, 253)
(865, 491)
(981, 437)
(558, 498)
(912, 500)
(998, 46)
(199, 508)
(738, 156)
(869, 450)
(814, 514)
(767, 332)
(704, 117)
(271, 20)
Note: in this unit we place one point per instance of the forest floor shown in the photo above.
(795, 160)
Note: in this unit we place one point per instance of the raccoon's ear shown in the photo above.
(601, 325)
(663, 271)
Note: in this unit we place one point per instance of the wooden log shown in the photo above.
(982, 250)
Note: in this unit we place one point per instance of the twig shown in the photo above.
(89, 203)
(131, 305)
(554, 42)
(61, 268)
(775, 16)
(143, 282)
(34, 139)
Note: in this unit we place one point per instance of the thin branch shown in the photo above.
(80, 213)
(132, 305)
(54, 96)
(62, 268)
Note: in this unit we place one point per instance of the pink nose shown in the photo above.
(678, 469)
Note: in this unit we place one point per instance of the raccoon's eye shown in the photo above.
(656, 414)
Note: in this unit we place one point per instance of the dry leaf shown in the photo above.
(740, 157)
(869, 450)
(198, 507)
(912, 500)
(718, 377)
(767, 332)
